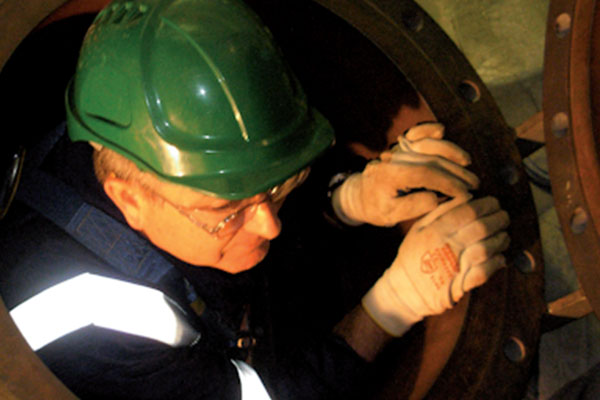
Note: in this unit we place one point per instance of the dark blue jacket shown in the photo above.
(291, 301)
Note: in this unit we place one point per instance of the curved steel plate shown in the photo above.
(504, 315)
(571, 124)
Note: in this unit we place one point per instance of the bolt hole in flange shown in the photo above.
(562, 27)
(510, 175)
(525, 262)
(469, 91)
(560, 124)
(515, 350)
(413, 20)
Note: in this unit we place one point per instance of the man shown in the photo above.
(200, 132)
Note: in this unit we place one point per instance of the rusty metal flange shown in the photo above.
(499, 335)
(501, 331)
(571, 123)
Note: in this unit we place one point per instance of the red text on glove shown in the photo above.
(441, 264)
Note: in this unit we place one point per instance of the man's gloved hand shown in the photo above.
(381, 194)
(445, 254)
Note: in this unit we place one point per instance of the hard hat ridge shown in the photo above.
(195, 91)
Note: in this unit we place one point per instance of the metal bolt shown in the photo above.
(560, 124)
(562, 26)
(514, 349)
(579, 221)
(525, 262)
(413, 20)
(510, 175)
(469, 91)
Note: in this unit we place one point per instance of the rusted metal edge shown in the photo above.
(22, 373)
(572, 154)
(23, 376)
(532, 129)
(574, 305)
(18, 18)
(429, 59)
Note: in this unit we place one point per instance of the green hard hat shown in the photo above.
(196, 92)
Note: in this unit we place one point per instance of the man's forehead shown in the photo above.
(188, 196)
(202, 200)
(194, 198)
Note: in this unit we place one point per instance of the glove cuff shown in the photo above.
(341, 198)
(386, 306)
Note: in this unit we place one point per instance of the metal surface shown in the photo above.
(484, 348)
(532, 129)
(22, 375)
(574, 305)
(504, 315)
(571, 123)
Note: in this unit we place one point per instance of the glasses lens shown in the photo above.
(235, 221)
(278, 193)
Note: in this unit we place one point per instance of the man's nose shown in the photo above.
(264, 222)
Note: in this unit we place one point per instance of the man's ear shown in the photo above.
(128, 197)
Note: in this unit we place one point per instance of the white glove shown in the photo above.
(445, 254)
(420, 160)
